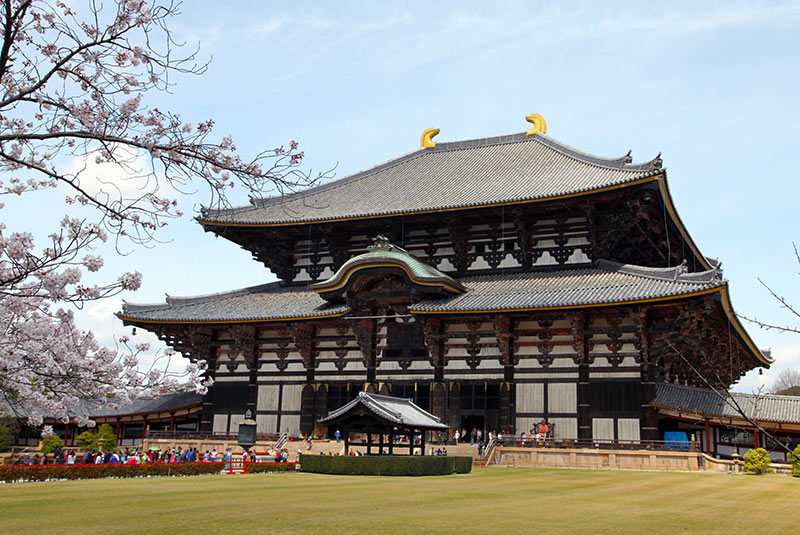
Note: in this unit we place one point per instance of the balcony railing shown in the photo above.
(660, 445)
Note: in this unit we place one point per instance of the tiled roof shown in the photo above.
(399, 411)
(383, 254)
(702, 401)
(512, 168)
(606, 283)
(265, 302)
(163, 403)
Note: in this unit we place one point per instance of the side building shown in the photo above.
(494, 282)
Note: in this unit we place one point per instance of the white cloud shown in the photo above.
(785, 357)
(108, 329)
(129, 177)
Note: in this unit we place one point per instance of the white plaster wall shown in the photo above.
(615, 375)
(291, 425)
(565, 427)
(291, 398)
(267, 423)
(628, 428)
(236, 419)
(526, 424)
(268, 397)
(220, 423)
(603, 428)
(562, 397)
(229, 379)
(530, 397)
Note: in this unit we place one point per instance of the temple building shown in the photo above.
(494, 282)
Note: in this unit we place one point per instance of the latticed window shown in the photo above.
(339, 394)
(405, 342)
(479, 396)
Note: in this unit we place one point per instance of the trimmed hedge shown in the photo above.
(95, 471)
(386, 465)
(796, 462)
(258, 468)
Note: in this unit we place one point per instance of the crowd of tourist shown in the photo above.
(127, 456)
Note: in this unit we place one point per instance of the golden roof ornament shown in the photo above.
(427, 138)
(539, 124)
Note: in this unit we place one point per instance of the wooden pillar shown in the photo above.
(582, 359)
(648, 419)
(307, 410)
(252, 386)
(369, 443)
(172, 422)
(303, 334)
(346, 441)
(504, 332)
(117, 426)
(756, 439)
(321, 407)
(66, 434)
(708, 438)
(144, 429)
(422, 442)
(391, 444)
(207, 408)
(410, 443)
(507, 417)
(380, 444)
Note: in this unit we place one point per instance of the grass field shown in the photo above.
(493, 500)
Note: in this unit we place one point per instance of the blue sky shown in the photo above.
(711, 85)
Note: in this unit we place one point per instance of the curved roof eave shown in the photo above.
(209, 224)
(137, 321)
(673, 213)
(741, 331)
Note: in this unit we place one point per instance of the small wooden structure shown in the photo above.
(382, 419)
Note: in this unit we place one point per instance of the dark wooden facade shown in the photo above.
(589, 368)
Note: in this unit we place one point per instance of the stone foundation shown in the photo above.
(598, 459)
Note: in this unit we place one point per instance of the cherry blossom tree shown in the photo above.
(73, 88)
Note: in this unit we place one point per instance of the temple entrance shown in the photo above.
(472, 421)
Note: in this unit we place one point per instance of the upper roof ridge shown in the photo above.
(172, 301)
(195, 299)
(678, 273)
(622, 163)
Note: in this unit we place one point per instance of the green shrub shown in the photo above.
(257, 468)
(8, 429)
(757, 461)
(386, 465)
(95, 471)
(86, 441)
(796, 462)
(51, 443)
(106, 438)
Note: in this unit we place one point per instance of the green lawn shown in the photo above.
(489, 500)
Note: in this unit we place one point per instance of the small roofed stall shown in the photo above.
(378, 416)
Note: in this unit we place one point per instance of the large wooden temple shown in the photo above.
(494, 282)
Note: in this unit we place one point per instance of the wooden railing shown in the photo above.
(660, 445)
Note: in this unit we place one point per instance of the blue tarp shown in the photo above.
(676, 440)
